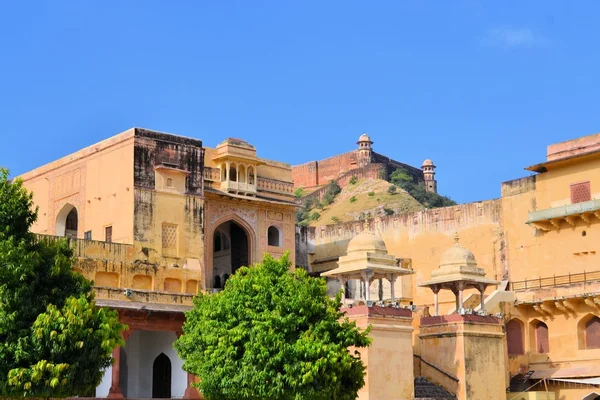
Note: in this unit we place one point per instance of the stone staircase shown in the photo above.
(425, 390)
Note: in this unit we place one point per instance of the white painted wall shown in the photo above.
(142, 349)
(104, 386)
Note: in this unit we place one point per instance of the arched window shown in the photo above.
(250, 175)
(514, 337)
(169, 182)
(232, 173)
(218, 243)
(592, 333)
(273, 235)
(242, 172)
(225, 277)
(223, 172)
(542, 344)
(217, 283)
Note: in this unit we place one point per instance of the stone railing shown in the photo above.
(212, 174)
(554, 281)
(95, 249)
(143, 296)
(275, 186)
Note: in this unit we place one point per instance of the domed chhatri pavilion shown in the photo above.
(458, 271)
(367, 259)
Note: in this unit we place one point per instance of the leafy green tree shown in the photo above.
(272, 334)
(401, 178)
(392, 189)
(54, 342)
(353, 180)
(299, 192)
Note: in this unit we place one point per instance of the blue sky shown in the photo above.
(479, 87)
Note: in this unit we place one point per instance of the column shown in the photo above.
(228, 178)
(461, 286)
(436, 290)
(392, 279)
(190, 392)
(342, 280)
(455, 291)
(115, 388)
(367, 277)
(481, 292)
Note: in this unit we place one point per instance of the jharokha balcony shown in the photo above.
(552, 218)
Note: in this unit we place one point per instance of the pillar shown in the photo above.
(436, 290)
(342, 280)
(190, 392)
(392, 279)
(367, 278)
(389, 360)
(481, 291)
(115, 388)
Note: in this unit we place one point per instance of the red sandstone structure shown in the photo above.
(362, 163)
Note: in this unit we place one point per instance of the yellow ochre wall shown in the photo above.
(97, 180)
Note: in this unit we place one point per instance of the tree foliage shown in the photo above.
(417, 190)
(272, 334)
(54, 342)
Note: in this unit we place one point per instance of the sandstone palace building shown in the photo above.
(496, 299)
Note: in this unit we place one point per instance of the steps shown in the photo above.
(425, 390)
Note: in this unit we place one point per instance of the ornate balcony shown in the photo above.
(551, 218)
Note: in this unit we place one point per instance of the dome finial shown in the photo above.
(455, 237)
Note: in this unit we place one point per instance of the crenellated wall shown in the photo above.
(422, 237)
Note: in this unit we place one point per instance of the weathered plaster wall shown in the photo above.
(168, 221)
(469, 348)
(422, 237)
(388, 361)
(255, 217)
(142, 349)
(97, 180)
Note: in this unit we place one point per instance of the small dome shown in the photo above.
(364, 138)
(457, 255)
(428, 163)
(366, 242)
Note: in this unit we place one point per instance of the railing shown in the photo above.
(238, 186)
(276, 186)
(554, 281)
(447, 375)
(212, 174)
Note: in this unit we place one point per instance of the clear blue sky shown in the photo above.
(480, 87)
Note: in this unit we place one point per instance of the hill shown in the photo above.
(366, 199)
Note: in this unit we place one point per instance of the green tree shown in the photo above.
(401, 178)
(272, 334)
(299, 192)
(353, 180)
(54, 342)
(392, 189)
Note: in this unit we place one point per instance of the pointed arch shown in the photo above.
(67, 221)
(161, 377)
(588, 332)
(539, 337)
(209, 240)
(514, 337)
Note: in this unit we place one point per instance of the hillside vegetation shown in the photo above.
(362, 200)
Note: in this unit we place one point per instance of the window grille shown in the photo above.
(169, 239)
(580, 192)
(108, 234)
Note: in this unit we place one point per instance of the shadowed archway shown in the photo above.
(161, 377)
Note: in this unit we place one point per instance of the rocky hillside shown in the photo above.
(366, 199)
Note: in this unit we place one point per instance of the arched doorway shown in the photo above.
(67, 222)
(231, 250)
(161, 377)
